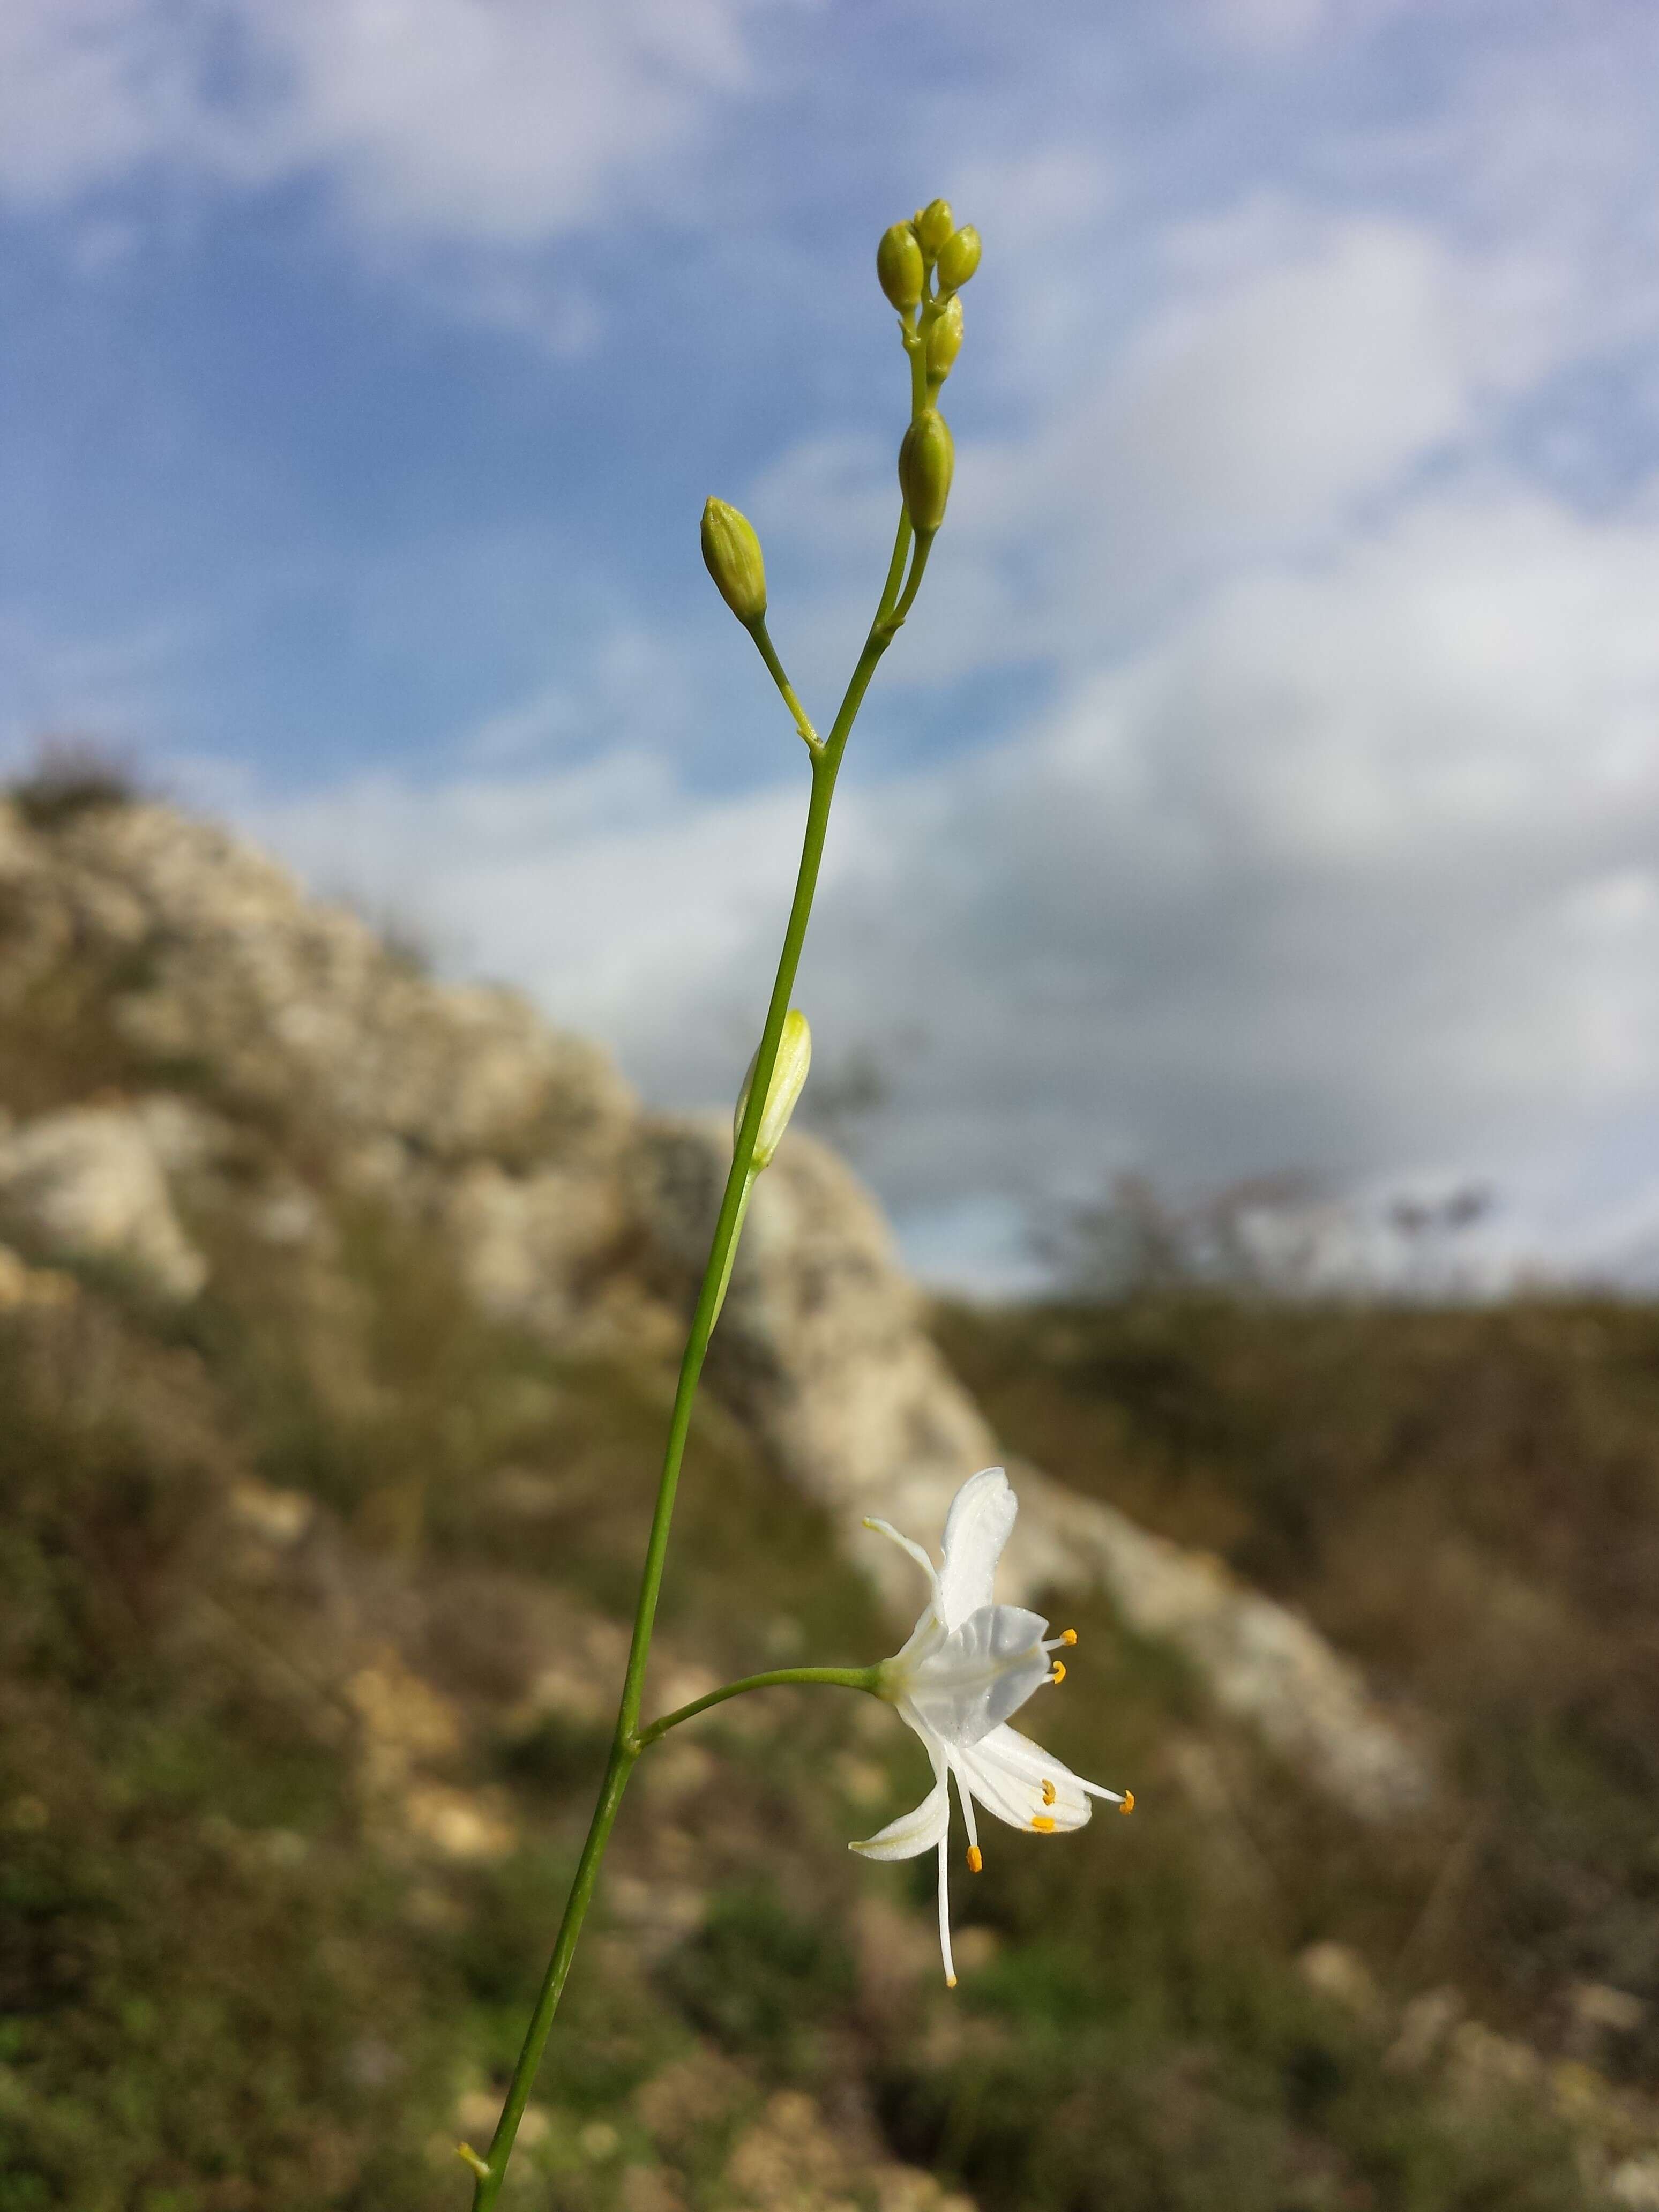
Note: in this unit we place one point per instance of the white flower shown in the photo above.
(968, 1665)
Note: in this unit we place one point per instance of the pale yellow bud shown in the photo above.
(731, 554)
(788, 1074)
(926, 460)
(935, 225)
(899, 266)
(958, 257)
(945, 340)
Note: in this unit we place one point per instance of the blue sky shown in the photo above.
(1267, 780)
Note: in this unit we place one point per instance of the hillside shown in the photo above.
(338, 1312)
(1469, 1500)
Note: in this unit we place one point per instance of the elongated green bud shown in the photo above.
(959, 257)
(898, 265)
(927, 459)
(935, 225)
(732, 554)
(788, 1074)
(945, 341)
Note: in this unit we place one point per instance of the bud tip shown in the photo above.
(935, 225)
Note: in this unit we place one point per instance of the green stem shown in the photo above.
(839, 1678)
(924, 547)
(628, 1743)
(490, 2173)
(916, 347)
(826, 766)
(757, 630)
(889, 589)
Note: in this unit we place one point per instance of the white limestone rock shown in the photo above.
(90, 1184)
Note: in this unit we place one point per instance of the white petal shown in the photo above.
(912, 1834)
(1023, 1784)
(918, 1647)
(909, 1543)
(980, 1674)
(976, 1529)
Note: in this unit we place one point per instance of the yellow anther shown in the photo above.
(1042, 1824)
(1048, 1793)
(1128, 1804)
(950, 1981)
(1068, 1635)
(1059, 1674)
(976, 1860)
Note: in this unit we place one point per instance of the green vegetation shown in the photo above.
(1468, 1501)
(70, 776)
(311, 1606)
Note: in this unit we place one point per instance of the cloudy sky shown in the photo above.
(1269, 777)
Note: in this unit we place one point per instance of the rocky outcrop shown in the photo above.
(571, 1213)
(88, 1184)
(216, 972)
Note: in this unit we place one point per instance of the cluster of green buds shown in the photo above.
(923, 266)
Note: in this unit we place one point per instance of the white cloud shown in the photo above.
(1272, 30)
(1352, 872)
(89, 89)
(504, 122)
(1260, 406)
(627, 907)
(507, 122)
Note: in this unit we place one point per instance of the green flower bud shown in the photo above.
(926, 459)
(789, 1075)
(898, 265)
(935, 225)
(959, 257)
(731, 554)
(945, 340)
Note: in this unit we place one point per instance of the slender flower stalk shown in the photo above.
(912, 273)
